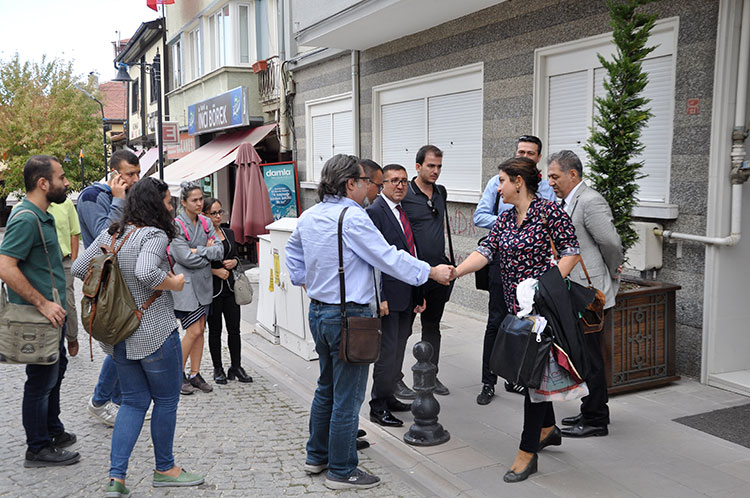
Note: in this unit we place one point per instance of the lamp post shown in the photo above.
(155, 69)
(104, 129)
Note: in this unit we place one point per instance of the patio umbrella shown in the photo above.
(251, 211)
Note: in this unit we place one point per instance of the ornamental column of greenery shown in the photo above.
(621, 115)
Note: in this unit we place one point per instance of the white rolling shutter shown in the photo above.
(455, 126)
(569, 115)
(403, 132)
(343, 133)
(321, 143)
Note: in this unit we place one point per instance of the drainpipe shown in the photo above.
(355, 99)
(739, 174)
(284, 134)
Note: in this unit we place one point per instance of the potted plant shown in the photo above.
(638, 341)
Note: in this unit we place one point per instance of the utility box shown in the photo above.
(291, 302)
(646, 254)
(266, 318)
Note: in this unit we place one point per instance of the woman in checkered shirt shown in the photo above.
(149, 362)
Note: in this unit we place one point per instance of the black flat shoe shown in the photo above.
(572, 420)
(403, 391)
(362, 444)
(385, 418)
(554, 438)
(395, 405)
(440, 388)
(219, 376)
(361, 433)
(239, 373)
(531, 468)
(583, 430)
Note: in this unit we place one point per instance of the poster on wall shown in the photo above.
(281, 182)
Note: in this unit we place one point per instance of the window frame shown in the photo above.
(176, 63)
(196, 53)
(580, 55)
(319, 107)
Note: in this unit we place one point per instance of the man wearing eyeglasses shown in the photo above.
(375, 173)
(425, 204)
(489, 208)
(399, 301)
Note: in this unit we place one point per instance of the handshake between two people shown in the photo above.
(443, 274)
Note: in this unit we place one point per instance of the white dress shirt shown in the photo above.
(569, 198)
(394, 209)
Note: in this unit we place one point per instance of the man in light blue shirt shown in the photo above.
(312, 261)
(489, 208)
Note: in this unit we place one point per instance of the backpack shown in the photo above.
(108, 311)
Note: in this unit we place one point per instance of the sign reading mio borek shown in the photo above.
(227, 110)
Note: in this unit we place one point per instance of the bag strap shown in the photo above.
(497, 203)
(448, 223)
(156, 294)
(554, 250)
(184, 228)
(44, 243)
(342, 283)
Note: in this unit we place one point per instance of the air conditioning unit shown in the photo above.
(646, 254)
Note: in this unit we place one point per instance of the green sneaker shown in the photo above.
(116, 489)
(184, 479)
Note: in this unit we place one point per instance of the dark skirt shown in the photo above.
(187, 318)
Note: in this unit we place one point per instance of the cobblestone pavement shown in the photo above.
(248, 439)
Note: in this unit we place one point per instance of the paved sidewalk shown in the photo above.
(645, 455)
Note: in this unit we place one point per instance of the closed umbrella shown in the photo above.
(251, 211)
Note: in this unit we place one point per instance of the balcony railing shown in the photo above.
(269, 80)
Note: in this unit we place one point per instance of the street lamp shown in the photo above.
(155, 69)
(104, 129)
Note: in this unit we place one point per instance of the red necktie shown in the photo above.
(407, 230)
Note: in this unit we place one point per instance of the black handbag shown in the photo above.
(482, 276)
(520, 354)
(360, 336)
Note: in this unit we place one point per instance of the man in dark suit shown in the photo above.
(601, 251)
(399, 301)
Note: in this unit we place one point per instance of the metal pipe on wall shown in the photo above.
(355, 101)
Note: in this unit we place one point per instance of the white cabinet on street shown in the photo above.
(266, 319)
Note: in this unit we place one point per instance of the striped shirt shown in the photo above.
(143, 263)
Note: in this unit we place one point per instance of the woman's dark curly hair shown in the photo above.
(144, 207)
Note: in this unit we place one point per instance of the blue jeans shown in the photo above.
(41, 401)
(334, 415)
(108, 386)
(158, 377)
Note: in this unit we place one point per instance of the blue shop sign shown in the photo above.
(281, 182)
(227, 110)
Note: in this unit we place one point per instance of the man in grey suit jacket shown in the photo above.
(601, 251)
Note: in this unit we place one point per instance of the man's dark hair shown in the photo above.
(525, 168)
(39, 166)
(120, 156)
(336, 171)
(144, 207)
(393, 167)
(425, 149)
(370, 167)
(531, 139)
(567, 160)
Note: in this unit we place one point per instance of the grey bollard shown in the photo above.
(425, 431)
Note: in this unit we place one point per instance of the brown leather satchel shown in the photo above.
(360, 336)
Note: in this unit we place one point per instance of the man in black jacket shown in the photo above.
(399, 301)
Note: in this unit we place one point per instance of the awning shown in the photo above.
(148, 159)
(211, 157)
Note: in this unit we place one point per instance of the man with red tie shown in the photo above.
(399, 301)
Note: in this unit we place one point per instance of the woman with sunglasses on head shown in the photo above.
(149, 361)
(224, 303)
(193, 250)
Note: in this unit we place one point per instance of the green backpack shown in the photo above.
(108, 311)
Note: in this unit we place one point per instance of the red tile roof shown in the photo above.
(113, 98)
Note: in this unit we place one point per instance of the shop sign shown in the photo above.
(185, 146)
(227, 110)
(281, 181)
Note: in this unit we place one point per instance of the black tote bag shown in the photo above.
(519, 354)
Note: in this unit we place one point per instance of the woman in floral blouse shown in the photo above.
(521, 239)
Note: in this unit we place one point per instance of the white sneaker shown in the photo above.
(107, 413)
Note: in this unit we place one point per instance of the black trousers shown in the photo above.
(224, 305)
(396, 329)
(594, 406)
(535, 416)
(495, 316)
(436, 295)
(40, 409)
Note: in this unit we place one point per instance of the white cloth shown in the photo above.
(525, 295)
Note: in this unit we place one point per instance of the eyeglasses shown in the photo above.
(365, 178)
(396, 182)
(432, 207)
(379, 185)
(216, 213)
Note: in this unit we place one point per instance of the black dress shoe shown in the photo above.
(219, 376)
(385, 418)
(572, 420)
(403, 391)
(511, 476)
(63, 440)
(362, 444)
(50, 457)
(554, 438)
(361, 433)
(395, 405)
(583, 430)
(440, 388)
(239, 373)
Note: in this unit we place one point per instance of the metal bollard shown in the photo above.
(425, 431)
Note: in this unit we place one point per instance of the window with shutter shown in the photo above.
(330, 131)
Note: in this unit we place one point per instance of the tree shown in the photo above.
(42, 113)
(621, 115)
